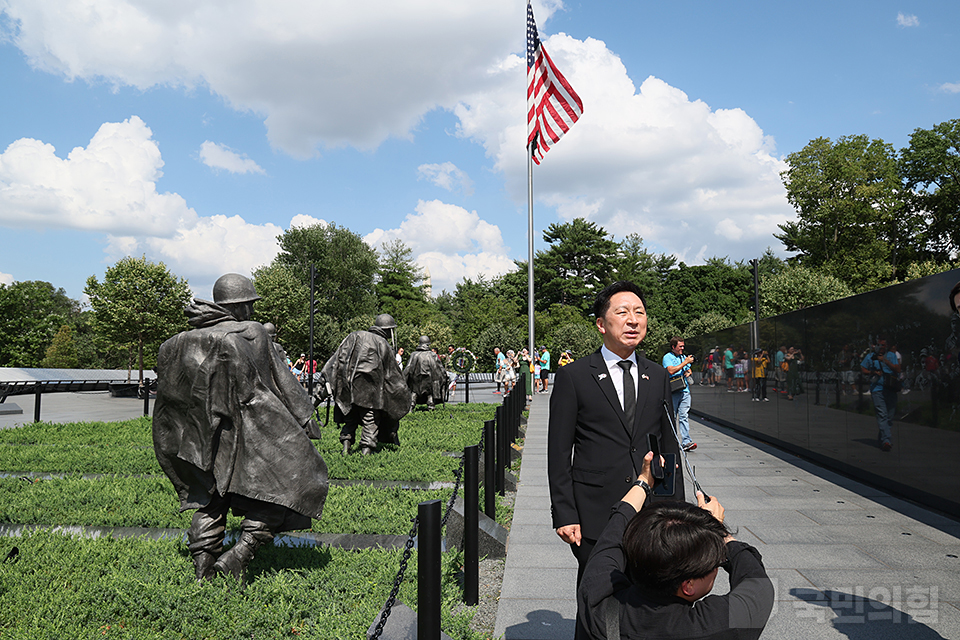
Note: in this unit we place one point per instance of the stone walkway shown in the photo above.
(847, 560)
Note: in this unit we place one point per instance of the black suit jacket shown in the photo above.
(593, 455)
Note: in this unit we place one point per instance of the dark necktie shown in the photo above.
(629, 392)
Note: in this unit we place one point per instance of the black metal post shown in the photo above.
(489, 468)
(513, 414)
(146, 396)
(471, 524)
(428, 571)
(466, 387)
(503, 455)
(36, 402)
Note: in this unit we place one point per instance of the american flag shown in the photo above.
(552, 104)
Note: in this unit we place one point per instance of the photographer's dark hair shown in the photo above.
(675, 340)
(669, 542)
(602, 302)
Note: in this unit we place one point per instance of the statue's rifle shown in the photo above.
(318, 399)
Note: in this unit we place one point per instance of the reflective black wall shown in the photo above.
(822, 408)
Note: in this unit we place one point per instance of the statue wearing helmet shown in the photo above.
(425, 376)
(231, 430)
(367, 386)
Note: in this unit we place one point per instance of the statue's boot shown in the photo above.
(203, 562)
(235, 560)
(205, 536)
(346, 447)
(366, 451)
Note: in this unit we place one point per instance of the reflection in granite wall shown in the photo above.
(820, 405)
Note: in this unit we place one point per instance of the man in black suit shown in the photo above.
(599, 425)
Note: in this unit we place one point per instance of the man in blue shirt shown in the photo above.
(883, 367)
(545, 368)
(678, 366)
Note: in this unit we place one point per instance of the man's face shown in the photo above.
(678, 350)
(496, 351)
(624, 325)
(882, 347)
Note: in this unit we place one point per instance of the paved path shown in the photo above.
(847, 561)
(88, 406)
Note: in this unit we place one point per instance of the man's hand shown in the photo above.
(636, 496)
(570, 534)
(714, 506)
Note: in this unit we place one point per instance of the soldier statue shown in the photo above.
(425, 376)
(367, 387)
(230, 430)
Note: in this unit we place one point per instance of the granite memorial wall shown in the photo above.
(822, 407)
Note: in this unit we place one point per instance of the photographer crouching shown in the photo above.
(653, 562)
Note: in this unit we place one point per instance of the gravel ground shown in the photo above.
(491, 578)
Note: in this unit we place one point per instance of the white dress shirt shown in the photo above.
(616, 372)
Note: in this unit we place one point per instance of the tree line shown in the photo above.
(867, 216)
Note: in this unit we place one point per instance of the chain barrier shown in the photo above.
(407, 551)
(408, 547)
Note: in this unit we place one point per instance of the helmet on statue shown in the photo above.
(234, 288)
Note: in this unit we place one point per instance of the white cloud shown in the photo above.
(6, 278)
(450, 241)
(906, 20)
(649, 161)
(110, 185)
(303, 220)
(321, 73)
(218, 156)
(950, 87)
(447, 176)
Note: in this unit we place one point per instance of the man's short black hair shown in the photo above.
(675, 340)
(670, 542)
(602, 302)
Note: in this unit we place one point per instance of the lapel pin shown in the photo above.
(601, 376)
(645, 376)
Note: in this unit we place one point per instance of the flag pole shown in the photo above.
(530, 251)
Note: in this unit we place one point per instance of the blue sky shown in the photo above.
(196, 132)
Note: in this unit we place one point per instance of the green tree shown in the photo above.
(710, 322)
(578, 264)
(31, 313)
(400, 288)
(656, 343)
(798, 287)
(286, 303)
(62, 352)
(496, 335)
(345, 268)
(930, 166)
(93, 350)
(475, 305)
(770, 264)
(690, 292)
(647, 270)
(851, 219)
(579, 338)
(139, 304)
